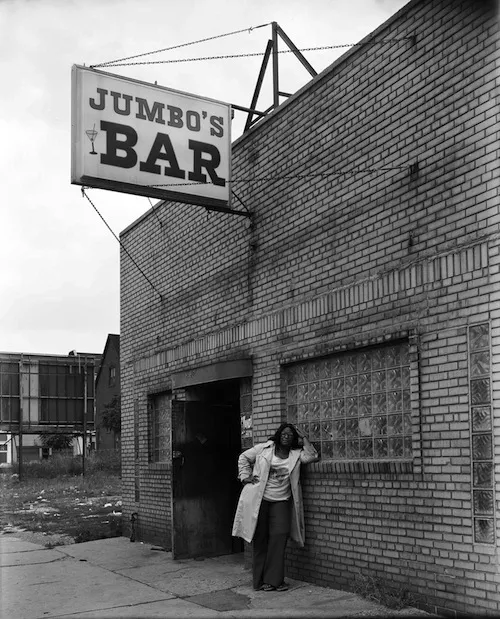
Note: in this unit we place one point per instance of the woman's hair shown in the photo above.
(277, 434)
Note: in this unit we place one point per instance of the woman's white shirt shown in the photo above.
(278, 483)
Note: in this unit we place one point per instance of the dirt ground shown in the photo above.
(60, 512)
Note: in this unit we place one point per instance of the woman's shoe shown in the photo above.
(266, 587)
(283, 587)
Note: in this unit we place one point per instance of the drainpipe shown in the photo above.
(133, 519)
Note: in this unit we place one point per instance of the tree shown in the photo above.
(57, 442)
(111, 418)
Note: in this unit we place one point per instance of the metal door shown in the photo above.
(204, 470)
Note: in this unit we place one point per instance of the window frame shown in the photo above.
(62, 393)
(159, 441)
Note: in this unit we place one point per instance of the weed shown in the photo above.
(107, 460)
(51, 545)
(61, 464)
(84, 535)
(375, 589)
(115, 526)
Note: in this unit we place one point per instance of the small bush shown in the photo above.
(375, 589)
(58, 442)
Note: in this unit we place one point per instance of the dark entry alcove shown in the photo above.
(206, 444)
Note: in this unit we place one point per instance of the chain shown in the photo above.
(118, 63)
(165, 49)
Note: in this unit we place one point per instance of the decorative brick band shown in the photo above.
(394, 467)
(423, 273)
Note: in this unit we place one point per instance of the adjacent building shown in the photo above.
(107, 393)
(45, 394)
(361, 301)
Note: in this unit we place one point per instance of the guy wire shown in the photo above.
(121, 244)
(346, 172)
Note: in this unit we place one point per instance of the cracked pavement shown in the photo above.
(116, 578)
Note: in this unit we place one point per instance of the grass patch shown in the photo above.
(62, 503)
(63, 464)
(376, 590)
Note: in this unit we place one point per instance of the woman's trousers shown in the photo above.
(269, 543)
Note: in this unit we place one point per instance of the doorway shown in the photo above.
(206, 443)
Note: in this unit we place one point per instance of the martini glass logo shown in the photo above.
(92, 134)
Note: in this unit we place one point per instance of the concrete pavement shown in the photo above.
(115, 578)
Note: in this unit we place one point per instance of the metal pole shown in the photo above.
(276, 88)
(84, 414)
(20, 454)
(12, 442)
(296, 52)
(258, 86)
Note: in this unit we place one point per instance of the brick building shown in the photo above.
(107, 394)
(360, 300)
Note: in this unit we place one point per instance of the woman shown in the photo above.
(270, 505)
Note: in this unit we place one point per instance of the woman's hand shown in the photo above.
(253, 479)
(299, 431)
(302, 435)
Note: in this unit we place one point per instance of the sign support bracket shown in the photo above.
(231, 211)
(272, 48)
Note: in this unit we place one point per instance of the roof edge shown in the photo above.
(336, 63)
(257, 127)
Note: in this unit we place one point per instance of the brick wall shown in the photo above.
(337, 257)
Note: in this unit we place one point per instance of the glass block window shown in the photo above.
(354, 405)
(483, 495)
(160, 416)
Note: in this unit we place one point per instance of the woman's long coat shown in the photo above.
(257, 461)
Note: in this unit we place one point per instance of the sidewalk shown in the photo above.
(115, 578)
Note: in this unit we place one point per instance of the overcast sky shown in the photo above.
(59, 275)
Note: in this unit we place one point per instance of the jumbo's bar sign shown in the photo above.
(134, 137)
